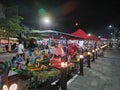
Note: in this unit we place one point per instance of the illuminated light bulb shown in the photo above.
(63, 64)
(93, 50)
(81, 56)
(88, 53)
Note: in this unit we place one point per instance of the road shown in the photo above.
(104, 74)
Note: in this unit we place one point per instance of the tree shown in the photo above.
(10, 27)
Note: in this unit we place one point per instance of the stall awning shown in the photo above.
(93, 37)
(57, 34)
(80, 33)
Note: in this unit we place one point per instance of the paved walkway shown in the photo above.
(6, 56)
(104, 74)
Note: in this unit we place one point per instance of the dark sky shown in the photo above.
(93, 16)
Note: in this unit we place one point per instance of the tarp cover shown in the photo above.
(93, 37)
(80, 33)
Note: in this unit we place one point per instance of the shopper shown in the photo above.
(21, 49)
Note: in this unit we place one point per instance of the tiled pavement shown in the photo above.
(104, 74)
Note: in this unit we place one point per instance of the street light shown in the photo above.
(114, 30)
(93, 52)
(81, 65)
(96, 53)
(45, 21)
(63, 76)
(88, 59)
(110, 26)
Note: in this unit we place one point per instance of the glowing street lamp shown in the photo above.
(81, 65)
(93, 52)
(110, 26)
(45, 21)
(114, 30)
(88, 59)
(96, 53)
(63, 76)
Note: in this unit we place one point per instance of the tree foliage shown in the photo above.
(10, 27)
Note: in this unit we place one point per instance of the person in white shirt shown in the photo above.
(21, 49)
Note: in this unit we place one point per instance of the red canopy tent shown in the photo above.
(80, 33)
(93, 37)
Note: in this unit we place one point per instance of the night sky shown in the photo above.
(93, 16)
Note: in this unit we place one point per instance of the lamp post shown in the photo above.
(96, 53)
(114, 31)
(81, 65)
(88, 59)
(93, 52)
(63, 76)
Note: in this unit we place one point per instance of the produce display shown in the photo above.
(46, 74)
(33, 68)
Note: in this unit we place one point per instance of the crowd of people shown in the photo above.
(39, 51)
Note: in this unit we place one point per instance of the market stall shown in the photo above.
(44, 63)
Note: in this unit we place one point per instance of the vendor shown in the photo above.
(37, 51)
(36, 55)
(32, 45)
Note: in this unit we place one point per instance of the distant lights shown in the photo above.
(110, 26)
(103, 46)
(76, 24)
